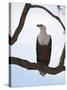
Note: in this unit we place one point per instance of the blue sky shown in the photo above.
(25, 47)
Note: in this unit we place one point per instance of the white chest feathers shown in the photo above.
(43, 38)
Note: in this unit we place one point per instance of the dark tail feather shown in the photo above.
(42, 73)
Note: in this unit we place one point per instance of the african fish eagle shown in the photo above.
(43, 47)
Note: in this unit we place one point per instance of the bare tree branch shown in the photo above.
(56, 17)
(36, 66)
(61, 62)
(14, 38)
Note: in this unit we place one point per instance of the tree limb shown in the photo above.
(56, 17)
(61, 62)
(36, 66)
(14, 38)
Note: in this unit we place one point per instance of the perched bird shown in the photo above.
(43, 47)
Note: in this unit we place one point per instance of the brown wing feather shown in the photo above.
(43, 52)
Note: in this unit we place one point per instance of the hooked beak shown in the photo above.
(38, 25)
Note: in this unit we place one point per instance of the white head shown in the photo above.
(42, 27)
(43, 37)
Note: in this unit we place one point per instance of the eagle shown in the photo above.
(43, 47)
